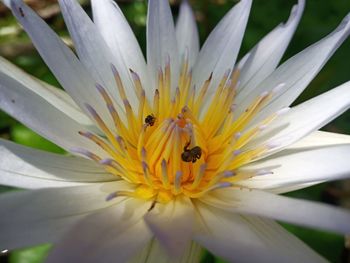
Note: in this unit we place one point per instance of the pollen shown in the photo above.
(184, 141)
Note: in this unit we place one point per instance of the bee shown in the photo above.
(191, 155)
(150, 120)
(21, 12)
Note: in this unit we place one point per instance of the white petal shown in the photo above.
(161, 40)
(112, 235)
(118, 35)
(41, 216)
(300, 212)
(293, 187)
(60, 59)
(28, 168)
(6, 3)
(305, 118)
(39, 115)
(154, 252)
(248, 239)
(301, 166)
(265, 56)
(297, 72)
(58, 98)
(221, 48)
(320, 139)
(187, 34)
(94, 53)
(172, 225)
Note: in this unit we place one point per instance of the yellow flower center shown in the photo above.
(173, 145)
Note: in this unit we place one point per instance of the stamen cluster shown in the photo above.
(174, 145)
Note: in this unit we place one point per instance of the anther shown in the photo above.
(276, 143)
(177, 183)
(134, 75)
(121, 142)
(143, 153)
(278, 88)
(146, 173)
(165, 178)
(119, 82)
(85, 153)
(237, 152)
(91, 110)
(228, 174)
(199, 176)
(233, 107)
(263, 172)
(282, 111)
(137, 83)
(111, 196)
(238, 135)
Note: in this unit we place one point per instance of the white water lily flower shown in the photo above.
(188, 150)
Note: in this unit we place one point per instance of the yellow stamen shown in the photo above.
(173, 147)
(119, 83)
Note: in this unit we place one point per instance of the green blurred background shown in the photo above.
(320, 18)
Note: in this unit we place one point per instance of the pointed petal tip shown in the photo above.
(297, 10)
(6, 3)
(345, 24)
(246, 2)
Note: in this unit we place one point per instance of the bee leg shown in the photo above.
(152, 205)
(186, 146)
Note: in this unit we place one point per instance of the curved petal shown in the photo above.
(154, 253)
(58, 98)
(7, 3)
(248, 239)
(187, 34)
(161, 41)
(262, 60)
(301, 166)
(301, 120)
(94, 53)
(118, 35)
(38, 114)
(293, 187)
(28, 168)
(221, 48)
(296, 73)
(321, 139)
(172, 225)
(114, 234)
(63, 63)
(300, 212)
(41, 216)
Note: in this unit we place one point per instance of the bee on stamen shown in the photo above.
(191, 155)
(150, 120)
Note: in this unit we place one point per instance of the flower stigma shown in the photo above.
(174, 145)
